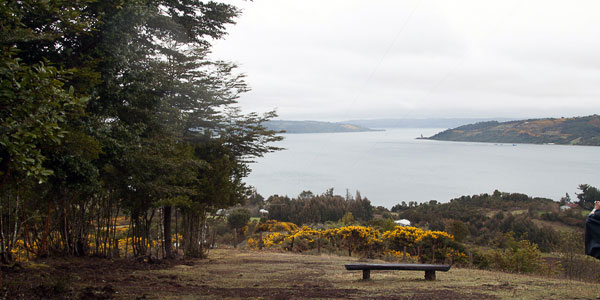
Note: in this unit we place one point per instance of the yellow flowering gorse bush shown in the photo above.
(273, 239)
(276, 226)
(405, 243)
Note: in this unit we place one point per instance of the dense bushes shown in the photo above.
(481, 228)
(404, 244)
(518, 256)
(401, 243)
(308, 208)
(116, 108)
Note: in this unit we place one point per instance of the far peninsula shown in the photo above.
(563, 131)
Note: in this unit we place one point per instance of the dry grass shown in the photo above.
(233, 274)
(558, 226)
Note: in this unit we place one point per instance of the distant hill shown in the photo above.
(313, 127)
(566, 131)
(488, 216)
(421, 123)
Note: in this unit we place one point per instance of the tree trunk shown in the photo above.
(44, 251)
(235, 238)
(168, 243)
(214, 236)
(177, 241)
(319, 245)
(192, 234)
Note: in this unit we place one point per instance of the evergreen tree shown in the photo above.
(159, 129)
(588, 196)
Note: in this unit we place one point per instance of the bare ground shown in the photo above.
(233, 274)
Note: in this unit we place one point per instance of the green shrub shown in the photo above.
(520, 256)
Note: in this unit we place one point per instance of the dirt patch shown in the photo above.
(439, 294)
(74, 278)
(233, 274)
(318, 292)
(104, 279)
(282, 293)
(495, 287)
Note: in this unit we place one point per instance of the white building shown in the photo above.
(403, 222)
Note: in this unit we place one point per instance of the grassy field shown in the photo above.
(234, 274)
(558, 226)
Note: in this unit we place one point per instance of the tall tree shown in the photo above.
(588, 196)
(159, 128)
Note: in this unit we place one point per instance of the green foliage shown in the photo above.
(385, 224)
(309, 208)
(347, 219)
(571, 217)
(570, 131)
(360, 207)
(481, 228)
(34, 108)
(459, 230)
(570, 254)
(518, 256)
(588, 196)
(238, 218)
(116, 105)
(256, 199)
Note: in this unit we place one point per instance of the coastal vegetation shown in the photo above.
(123, 155)
(116, 126)
(564, 131)
(499, 232)
(492, 230)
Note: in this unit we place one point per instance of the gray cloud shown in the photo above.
(335, 60)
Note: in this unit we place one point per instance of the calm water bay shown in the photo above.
(392, 166)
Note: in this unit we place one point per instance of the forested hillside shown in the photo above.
(567, 131)
(313, 127)
(420, 123)
(482, 219)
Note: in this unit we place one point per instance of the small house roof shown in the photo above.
(403, 222)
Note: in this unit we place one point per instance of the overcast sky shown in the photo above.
(340, 60)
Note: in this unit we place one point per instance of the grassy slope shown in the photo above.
(558, 226)
(231, 274)
(571, 131)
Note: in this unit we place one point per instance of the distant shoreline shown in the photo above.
(373, 125)
(370, 130)
(299, 127)
(581, 131)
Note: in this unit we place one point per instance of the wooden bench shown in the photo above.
(428, 268)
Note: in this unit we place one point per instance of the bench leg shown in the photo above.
(430, 275)
(366, 274)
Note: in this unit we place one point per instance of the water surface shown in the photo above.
(393, 166)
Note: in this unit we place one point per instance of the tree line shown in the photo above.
(309, 208)
(482, 219)
(112, 109)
